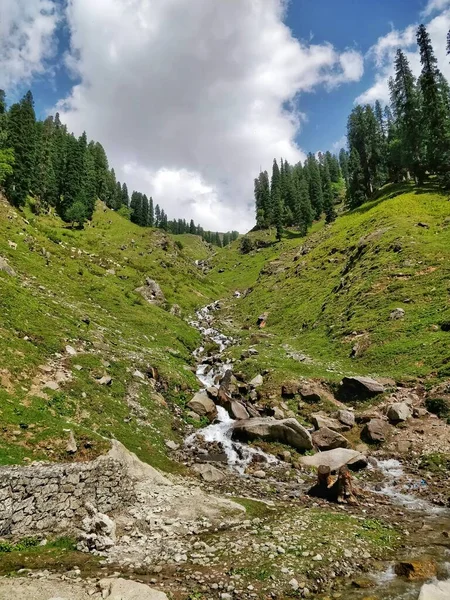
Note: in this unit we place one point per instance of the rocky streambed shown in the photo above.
(391, 492)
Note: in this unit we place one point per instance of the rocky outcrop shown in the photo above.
(374, 431)
(335, 459)
(99, 531)
(152, 292)
(359, 388)
(286, 431)
(4, 266)
(398, 412)
(203, 406)
(327, 439)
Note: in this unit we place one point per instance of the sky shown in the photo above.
(191, 98)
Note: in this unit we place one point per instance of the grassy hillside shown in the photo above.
(77, 288)
(334, 291)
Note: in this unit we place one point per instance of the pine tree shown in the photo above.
(343, 162)
(157, 216)
(303, 213)
(145, 212)
(356, 192)
(328, 200)
(435, 119)
(315, 185)
(45, 185)
(151, 213)
(59, 155)
(275, 192)
(21, 137)
(278, 211)
(125, 197)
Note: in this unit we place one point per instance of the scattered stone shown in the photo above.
(374, 431)
(260, 474)
(202, 404)
(175, 310)
(327, 439)
(294, 584)
(71, 351)
(71, 447)
(287, 431)
(99, 531)
(152, 292)
(354, 388)
(309, 394)
(4, 266)
(208, 472)
(105, 380)
(172, 445)
(396, 314)
(346, 417)
(335, 459)
(398, 412)
(278, 413)
(289, 389)
(139, 375)
(238, 410)
(257, 381)
(319, 421)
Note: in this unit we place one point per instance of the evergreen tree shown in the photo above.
(315, 185)
(136, 208)
(275, 192)
(45, 185)
(157, 216)
(356, 193)
(278, 211)
(226, 239)
(21, 138)
(343, 162)
(303, 213)
(192, 228)
(125, 197)
(151, 213)
(145, 212)
(328, 200)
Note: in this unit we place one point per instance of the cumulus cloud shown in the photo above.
(191, 99)
(27, 30)
(435, 5)
(383, 53)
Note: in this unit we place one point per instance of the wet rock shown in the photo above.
(4, 266)
(397, 314)
(335, 459)
(126, 589)
(346, 417)
(320, 420)
(287, 431)
(354, 388)
(208, 472)
(202, 405)
(152, 292)
(327, 439)
(416, 569)
(212, 392)
(399, 411)
(374, 431)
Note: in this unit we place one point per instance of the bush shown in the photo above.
(439, 407)
(246, 245)
(76, 213)
(179, 244)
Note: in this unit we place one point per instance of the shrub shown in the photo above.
(246, 245)
(439, 407)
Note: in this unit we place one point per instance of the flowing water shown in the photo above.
(427, 522)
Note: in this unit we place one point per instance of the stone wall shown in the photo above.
(50, 498)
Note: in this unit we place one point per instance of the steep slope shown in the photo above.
(77, 288)
(330, 296)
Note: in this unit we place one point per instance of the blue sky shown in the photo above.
(189, 97)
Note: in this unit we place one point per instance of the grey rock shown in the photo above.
(398, 412)
(309, 394)
(208, 472)
(335, 459)
(319, 420)
(286, 431)
(71, 447)
(202, 404)
(346, 417)
(359, 388)
(175, 310)
(396, 314)
(71, 350)
(105, 380)
(374, 431)
(257, 381)
(259, 474)
(326, 439)
(238, 410)
(126, 589)
(99, 531)
(4, 266)
(439, 590)
(278, 413)
(172, 445)
(152, 292)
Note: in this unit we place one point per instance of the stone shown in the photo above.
(439, 590)
(71, 447)
(212, 392)
(286, 431)
(289, 389)
(152, 292)
(396, 314)
(71, 351)
(327, 439)
(294, 584)
(309, 394)
(139, 375)
(99, 531)
(202, 404)
(278, 413)
(319, 421)
(257, 381)
(238, 410)
(359, 388)
(260, 474)
(4, 266)
(175, 310)
(126, 589)
(346, 417)
(172, 445)
(374, 431)
(335, 459)
(398, 412)
(208, 472)
(105, 380)
(416, 569)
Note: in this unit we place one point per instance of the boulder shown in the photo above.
(359, 388)
(335, 459)
(202, 404)
(257, 381)
(126, 589)
(396, 314)
(208, 472)
(416, 569)
(152, 292)
(346, 417)
(309, 394)
(374, 431)
(326, 439)
(286, 431)
(71, 447)
(278, 413)
(238, 410)
(105, 380)
(319, 420)
(289, 389)
(439, 590)
(399, 411)
(6, 268)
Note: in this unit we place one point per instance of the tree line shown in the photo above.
(408, 139)
(44, 163)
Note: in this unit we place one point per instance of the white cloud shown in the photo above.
(383, 54)
(189, 98)
(27, 28)
(435, 5)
